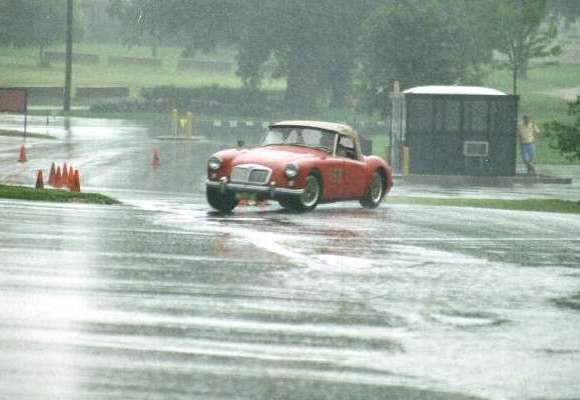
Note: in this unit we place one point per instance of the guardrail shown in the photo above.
(204, 66)
(135, 61)
(44, 92)
(102, 92)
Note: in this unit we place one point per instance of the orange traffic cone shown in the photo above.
(39, 180)
(22, 157)
(58, 178)
(64, 176)
(52, 175)
(71, 178)
(156, 159)
(76, 187)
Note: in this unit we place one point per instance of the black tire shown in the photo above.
(375, 192)
(222, 201)
(285, 202)
(311, 196)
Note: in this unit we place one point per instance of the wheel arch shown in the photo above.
(315, 170)
(381, 170)
(377, 164)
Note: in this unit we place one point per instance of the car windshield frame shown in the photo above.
(302, 136)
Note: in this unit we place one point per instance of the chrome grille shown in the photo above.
(240, 174)
(256, 174)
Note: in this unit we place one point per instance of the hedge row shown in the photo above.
(214, 99)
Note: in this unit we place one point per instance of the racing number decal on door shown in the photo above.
(336, 175)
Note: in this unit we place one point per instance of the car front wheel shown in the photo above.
(308, 200)
(285, 202)
(375, 192)
(222, 201)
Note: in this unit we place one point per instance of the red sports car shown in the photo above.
(300, 164)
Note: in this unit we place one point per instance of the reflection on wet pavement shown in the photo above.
(162, 298)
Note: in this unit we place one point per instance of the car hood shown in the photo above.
(277, 156)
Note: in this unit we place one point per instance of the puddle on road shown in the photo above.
(438, 280)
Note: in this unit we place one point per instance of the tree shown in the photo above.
(194, 24)
(142, 22)
(135, 27)
(566, 137)
(420, 42)
(477, 37)
(312, 44)
(522, 35)
(33, 23)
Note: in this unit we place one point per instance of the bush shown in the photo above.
(213, 100)
(566, 137)
(124, 106)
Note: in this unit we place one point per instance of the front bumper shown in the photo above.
(269, 191)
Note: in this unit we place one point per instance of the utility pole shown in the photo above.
(515, 80)
(69, 52)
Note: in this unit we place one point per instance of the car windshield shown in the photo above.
(300, 136)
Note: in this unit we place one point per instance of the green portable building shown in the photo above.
(460, 130)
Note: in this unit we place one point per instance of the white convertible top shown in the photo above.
(327, 126)
(460, 90)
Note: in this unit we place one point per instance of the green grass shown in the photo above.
(53, 195)
(559, 76)
(533, 91)
(543, 205)
(19, 67)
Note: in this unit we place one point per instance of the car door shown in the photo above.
(330, 167)
(354, 170)
(332, 170)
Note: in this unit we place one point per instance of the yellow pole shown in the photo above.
(405, 160)
(182, 125)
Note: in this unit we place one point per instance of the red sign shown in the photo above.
(13, 100)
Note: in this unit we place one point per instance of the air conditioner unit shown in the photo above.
(475, 149)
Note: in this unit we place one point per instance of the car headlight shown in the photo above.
(214, 163)
(291, 171)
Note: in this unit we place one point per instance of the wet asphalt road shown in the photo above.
(163, 299)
